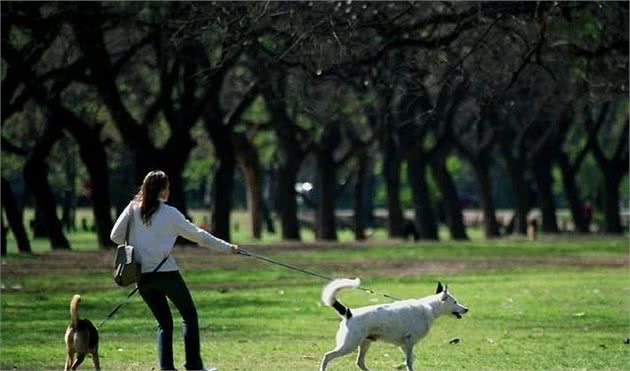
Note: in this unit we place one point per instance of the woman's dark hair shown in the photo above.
(148, 196)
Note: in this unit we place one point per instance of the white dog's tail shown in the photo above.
(330, 291)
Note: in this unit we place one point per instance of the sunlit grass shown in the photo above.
(255, 316)
(81, 239)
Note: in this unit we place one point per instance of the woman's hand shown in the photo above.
(235, 249)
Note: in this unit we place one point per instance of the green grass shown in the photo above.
(255, 316)
(240, 232)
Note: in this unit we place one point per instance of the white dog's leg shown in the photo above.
(363, 348)
(407, 348)
(408, 358)
(347, 342)
(332, 355)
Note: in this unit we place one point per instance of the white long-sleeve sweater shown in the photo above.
(155, 241)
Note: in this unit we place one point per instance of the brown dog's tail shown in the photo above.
(74, 311)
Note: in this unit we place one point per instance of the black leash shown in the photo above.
(256, 256)
(305, 271)
(131, 293)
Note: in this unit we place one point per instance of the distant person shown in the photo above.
(205, 225)
(410, 230)
(154, 229)
(532, 229)
(587, 213)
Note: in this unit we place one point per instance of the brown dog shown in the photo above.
(81, 338)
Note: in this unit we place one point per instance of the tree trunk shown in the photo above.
(145, 160)
(223, 181)
(391, 171)
(572, 194)
(359, 198)
(612, 221)
(91, 40)
(326, 193)
(96, 164)
(424, 216)
(516, 172)
(177, 194)
(248, 163)
(482, 171)
(291, 155)
(38, 224)
(68, 218)
(613, 169)
(3, 236)
(266, 213)
(36, 176)
(287, 177)
(544, 185)
(268, 202)
(94, 157)
(174, 168)
(174, 157)
(14, 218)
(287, 204)
(450, 199)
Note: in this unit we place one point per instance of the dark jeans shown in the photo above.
(154, 289)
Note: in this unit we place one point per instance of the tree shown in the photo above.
(181, 110)
(390, 147)
(290, 151)
(414, 126)
(337, 133)
(93, 155)
(222, 50)
(600, 60)
(570, 164)
(36, 175)
(220, 126)
(14, 218)
(249, 165)
(92, 149)
(20, 59)
(614, 164)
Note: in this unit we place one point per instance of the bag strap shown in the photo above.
(161, 263)
(131, 293)
(129, 222)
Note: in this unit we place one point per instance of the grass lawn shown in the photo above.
(548, 305)
(240, 232)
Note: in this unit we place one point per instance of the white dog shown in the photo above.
(401, 323)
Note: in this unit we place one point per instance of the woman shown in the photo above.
(154, 228)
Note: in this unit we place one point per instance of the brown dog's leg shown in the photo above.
(97, 365)
(69, 358)
(78, 361)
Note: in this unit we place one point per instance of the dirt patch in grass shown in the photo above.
(189, 258)
(480, 264)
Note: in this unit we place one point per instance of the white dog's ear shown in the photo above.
(439, 288)
(445, 293)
